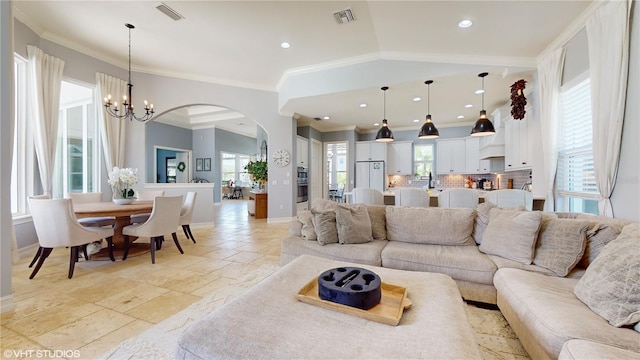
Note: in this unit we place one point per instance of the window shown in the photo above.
(233, 169)
(22, 183)
(575, 177)
(336, 165)
(77, 161)
(423, 159)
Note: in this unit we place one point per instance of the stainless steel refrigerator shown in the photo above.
(370, 174)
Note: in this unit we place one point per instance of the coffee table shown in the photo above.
(268, 322)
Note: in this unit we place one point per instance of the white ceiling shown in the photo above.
(399, 44)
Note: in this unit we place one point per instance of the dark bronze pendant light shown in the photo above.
(428, 130)
(384, 134)
(483, 126)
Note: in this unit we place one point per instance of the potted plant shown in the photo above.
(258, 171)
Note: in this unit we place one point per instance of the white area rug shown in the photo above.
(494, 336)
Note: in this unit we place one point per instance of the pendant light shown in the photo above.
(384, 134)
(428, 130)
(483, 126)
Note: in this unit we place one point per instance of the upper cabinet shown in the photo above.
(399, 158)
(517, 150)
(302, 148)
(451, 158)
(371, 151)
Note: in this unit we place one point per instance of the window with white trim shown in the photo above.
(575, 178)
(233, 169)
(422, 159)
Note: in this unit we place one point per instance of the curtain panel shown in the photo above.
(608, 38)
(550, 76)
(112, 131)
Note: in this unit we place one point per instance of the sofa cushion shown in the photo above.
(598, 235)
(367, 253)
(611, 284)
(512, 234)
(506, 263)
(560, 244)
(308, 232)
(436, 226)
(324, 221)
(483, 213)
(584, 349)
(378, 217)
(354, 225)
(459, 262)
(544, 313)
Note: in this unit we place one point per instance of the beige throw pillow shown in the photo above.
(560, 245)
(512, 234)
(324, 221)
(308, 231)
(611, 284)
(378, 217)
(436, 226)
(354, 225)
(482, 220)
(598, 236)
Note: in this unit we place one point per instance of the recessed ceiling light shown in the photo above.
(326, 118)
(415, 120)
(480, 91)
(376, 124)
(363, 105)
(465, 23)
(468, 106)
(285, 45)
(460, 116)
(417, 98)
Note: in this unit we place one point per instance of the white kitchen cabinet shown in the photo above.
(451, 158)
(399, 158)
(517, 150)
(472, 158)
(302, 148)
(371, 150)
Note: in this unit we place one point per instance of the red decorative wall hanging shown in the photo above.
(518, 101)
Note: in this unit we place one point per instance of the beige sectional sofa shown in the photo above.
(528, 263)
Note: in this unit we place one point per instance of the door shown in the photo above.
(315, 171)
(185, 175)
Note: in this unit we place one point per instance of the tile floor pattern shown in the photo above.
(107, 303)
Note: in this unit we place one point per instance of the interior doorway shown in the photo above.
(336, 169)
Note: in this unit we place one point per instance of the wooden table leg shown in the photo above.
(136, 249)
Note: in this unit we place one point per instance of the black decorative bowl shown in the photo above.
(351, 286)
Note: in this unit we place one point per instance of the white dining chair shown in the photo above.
(367, 196)
(510, 198)
(164, 219)
(91, 197)
(145, 195)
(56, 226)
(186, 214)
(412, 197)
(458, 198)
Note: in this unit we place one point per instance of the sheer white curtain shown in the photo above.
(549, 79)
(44, 79)
(112, 131)
(608, 36)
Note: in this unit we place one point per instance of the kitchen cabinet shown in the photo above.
(371, 150)
(302, 151)
(260, 203)
(517, 150)
(451, 157)
(472, 155)
(399, 158)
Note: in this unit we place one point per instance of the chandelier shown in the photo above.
(127, 102)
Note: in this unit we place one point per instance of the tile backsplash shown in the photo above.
(499, 180)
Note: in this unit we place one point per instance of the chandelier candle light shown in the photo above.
(112, 107)
(121, 181)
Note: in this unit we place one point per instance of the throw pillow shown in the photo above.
(378, 217)
(436, 226)
(306, 218)
(325, 224)
(611, 284)
(560, 245)
(512, 234)
(598, 236)
(482, 220)
(323, 204)
(354, 225)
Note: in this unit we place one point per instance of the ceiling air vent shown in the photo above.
(344, 16)
(165, 9)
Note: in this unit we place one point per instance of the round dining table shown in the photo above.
(122, 215)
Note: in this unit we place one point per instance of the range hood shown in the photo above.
(492, 146)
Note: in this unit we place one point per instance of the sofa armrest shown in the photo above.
(295, 228)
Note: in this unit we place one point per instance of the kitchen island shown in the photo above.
(390, 199)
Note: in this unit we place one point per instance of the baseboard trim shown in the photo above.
(280, 220)
(29, 250)
(6, 304)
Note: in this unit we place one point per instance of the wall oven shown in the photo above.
(303, 184)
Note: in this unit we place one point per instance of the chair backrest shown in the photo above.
(510, 198)
(85, 198)
(187, 208)
(55, 223)
(148, 195)
(458, 198)
(368, 196)
(412, 197)
(165, 216)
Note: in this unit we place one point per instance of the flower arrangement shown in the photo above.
(518, 101)
(121, 181)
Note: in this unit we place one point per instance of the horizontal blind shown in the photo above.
(575, 157)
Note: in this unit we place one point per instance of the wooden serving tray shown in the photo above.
(389, 311)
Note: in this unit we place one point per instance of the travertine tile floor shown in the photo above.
(106, 303)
